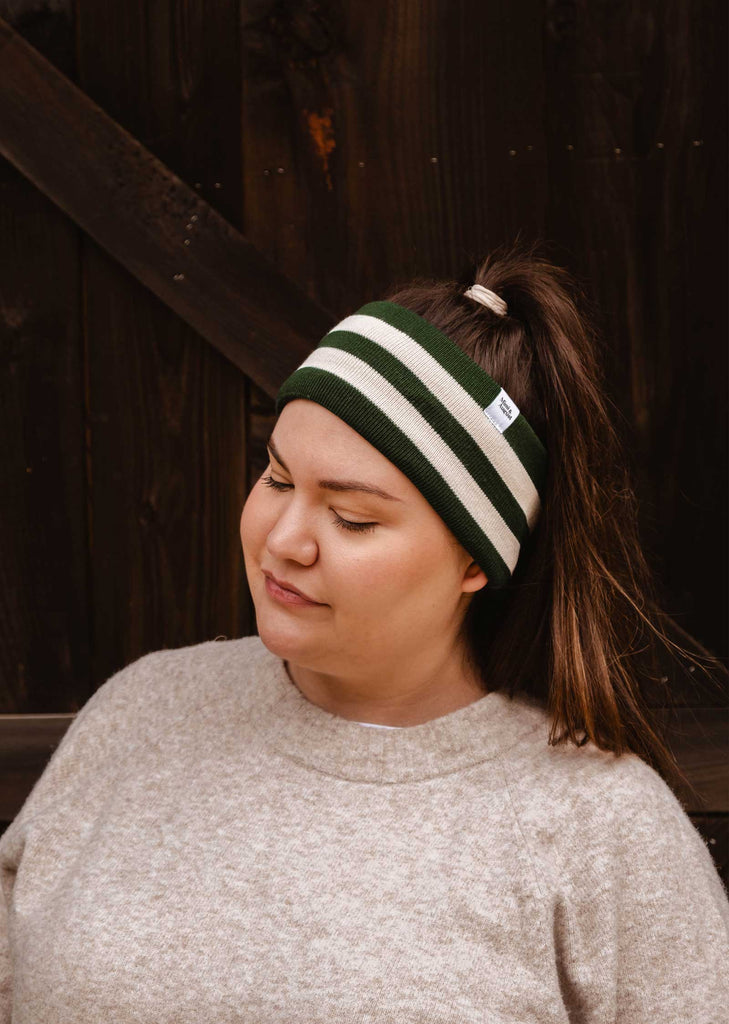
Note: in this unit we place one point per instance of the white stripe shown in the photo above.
(457, 401)
(387, 399)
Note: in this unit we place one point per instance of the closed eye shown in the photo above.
(344, 524)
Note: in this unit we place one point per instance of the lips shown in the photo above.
(289, 586)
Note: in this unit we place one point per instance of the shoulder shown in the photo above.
(177, 679)
(554, 781)
(134, 708)
(164, 685)
(639, 914)
(594, 819)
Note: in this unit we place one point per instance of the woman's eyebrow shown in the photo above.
(334, 485)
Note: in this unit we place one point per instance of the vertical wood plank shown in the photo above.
(379, 148)
(44, 643)
(636, 115)
(168, 442)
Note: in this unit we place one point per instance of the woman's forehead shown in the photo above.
(321, 442)
(303, 424)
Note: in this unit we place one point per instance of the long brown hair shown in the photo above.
(578, 626)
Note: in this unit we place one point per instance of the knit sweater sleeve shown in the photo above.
(92, 752)
(645, 923)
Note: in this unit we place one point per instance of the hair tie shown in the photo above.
(487, 298)
(416, 396)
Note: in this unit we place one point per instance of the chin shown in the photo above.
(289, 641)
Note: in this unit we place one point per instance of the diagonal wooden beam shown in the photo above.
(150, 221)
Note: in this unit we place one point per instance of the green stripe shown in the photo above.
(476, 381)
(441, 420)
(350, 405)
(521, 437)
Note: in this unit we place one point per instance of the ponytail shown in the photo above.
(578, 625)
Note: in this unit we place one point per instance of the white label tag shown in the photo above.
(502, 412)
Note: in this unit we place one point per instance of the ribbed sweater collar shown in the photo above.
(304, 732)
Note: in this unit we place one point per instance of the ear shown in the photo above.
(474, 579)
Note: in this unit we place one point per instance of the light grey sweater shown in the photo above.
(207, 846)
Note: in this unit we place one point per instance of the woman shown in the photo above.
(364, 813)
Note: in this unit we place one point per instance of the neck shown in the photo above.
(392, 697)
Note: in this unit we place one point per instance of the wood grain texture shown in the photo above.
(26, 744)
(699, 738)
(168, 441)
(44, 612)
(143, 214)
(421, 106)
(636, 111)
(44, 608)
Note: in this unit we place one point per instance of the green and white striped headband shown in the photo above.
(442, 420)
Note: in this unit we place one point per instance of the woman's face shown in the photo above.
(391, 580)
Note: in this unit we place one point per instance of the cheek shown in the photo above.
(254, 525)
(412, 571)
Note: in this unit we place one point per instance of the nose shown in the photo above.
(291, 537)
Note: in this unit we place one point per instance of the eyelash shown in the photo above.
(344, 524)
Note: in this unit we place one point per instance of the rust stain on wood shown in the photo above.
(321, 130)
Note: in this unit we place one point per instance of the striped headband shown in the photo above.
(443, 421)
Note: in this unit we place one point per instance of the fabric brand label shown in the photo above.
(502, 412)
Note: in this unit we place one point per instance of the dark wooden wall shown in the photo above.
(356, 145)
